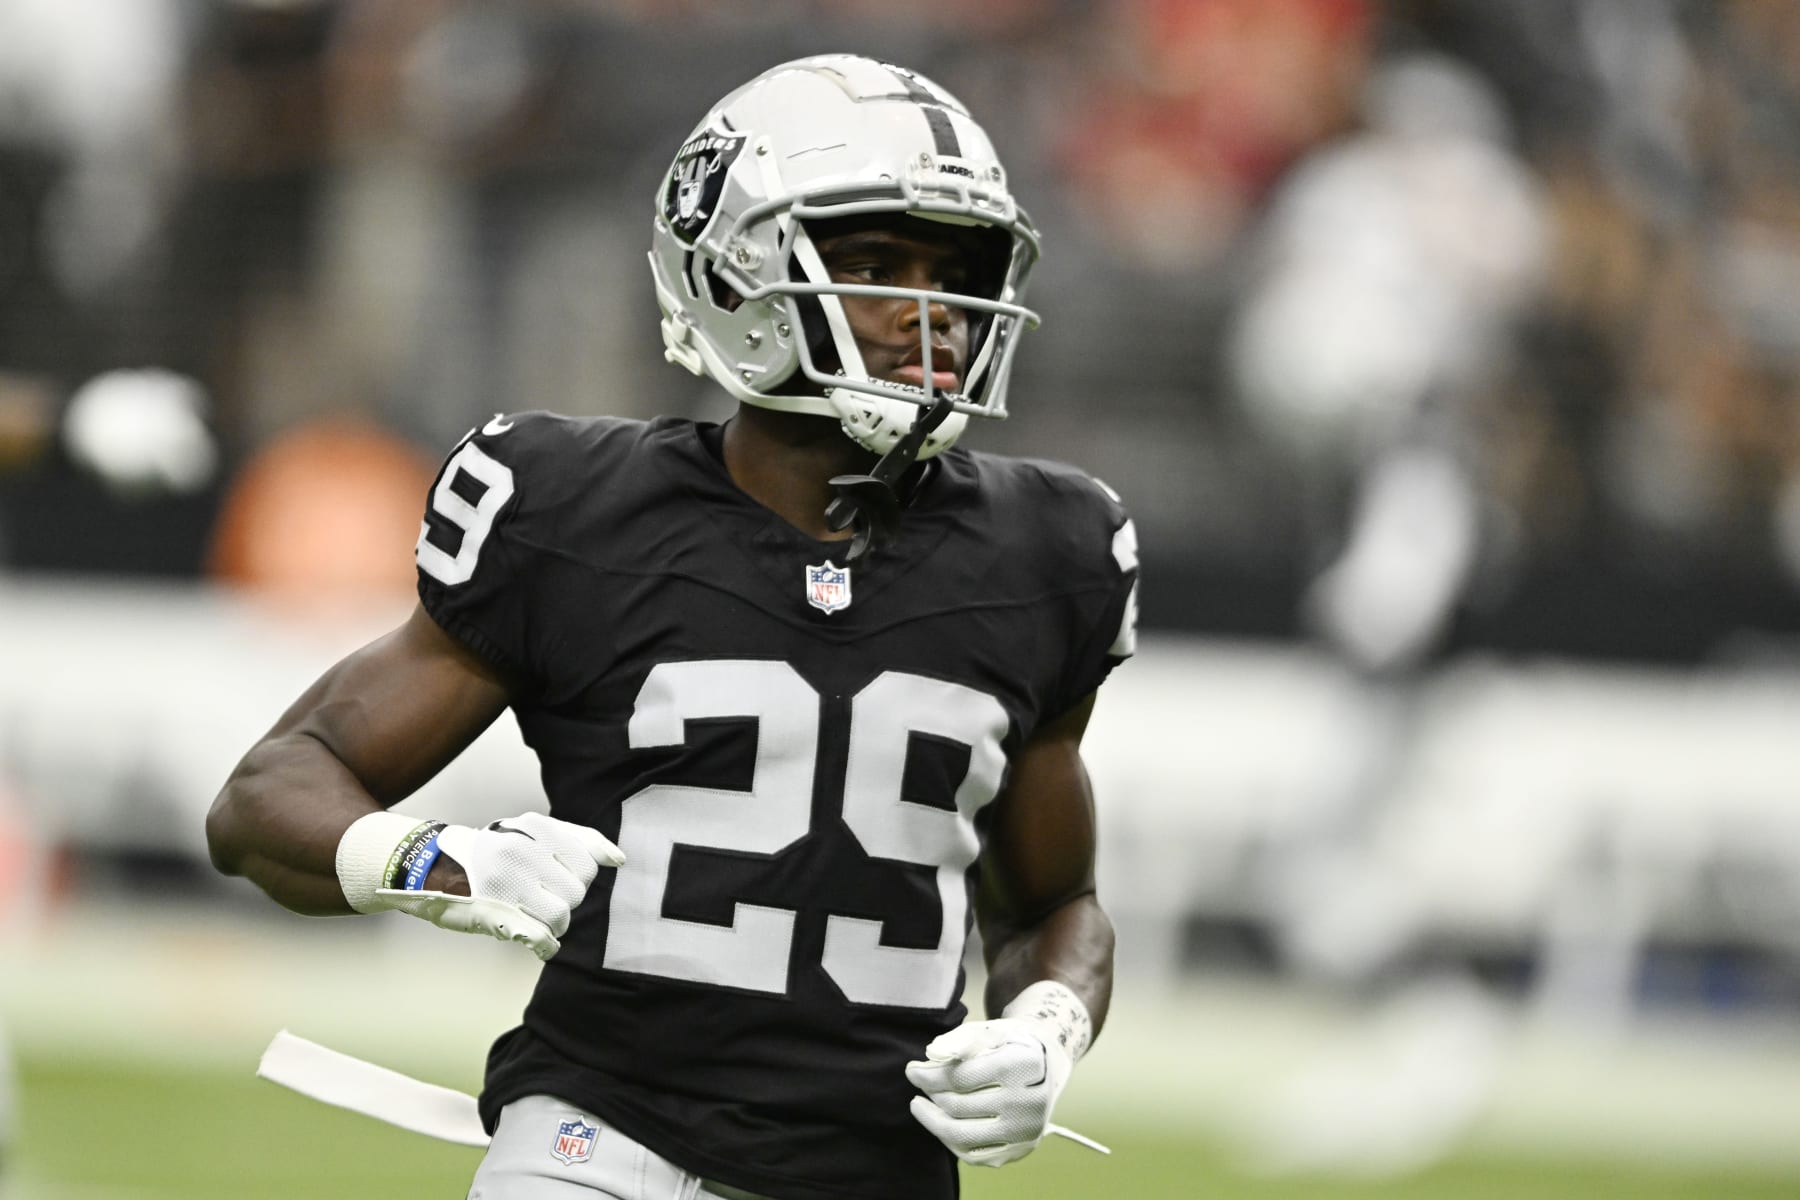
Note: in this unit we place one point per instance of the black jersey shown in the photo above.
(794, 757)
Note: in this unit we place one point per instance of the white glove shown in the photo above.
(990, 1086)
(526, 873)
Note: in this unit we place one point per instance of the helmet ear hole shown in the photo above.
(721, 293)
(817, 332)
(718, 291)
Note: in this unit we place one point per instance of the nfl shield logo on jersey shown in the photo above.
(574, 1141)
(828, 587)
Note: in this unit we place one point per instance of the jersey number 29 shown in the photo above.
(753, 952)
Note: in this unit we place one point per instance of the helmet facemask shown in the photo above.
(833, 361)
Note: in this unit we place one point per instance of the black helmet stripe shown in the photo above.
(943, 133)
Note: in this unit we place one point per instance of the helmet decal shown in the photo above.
(697, 180)
(943, 133)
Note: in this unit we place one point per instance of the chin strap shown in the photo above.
(871, 501)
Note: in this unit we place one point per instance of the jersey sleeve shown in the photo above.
(486, 519)
(1106, 614)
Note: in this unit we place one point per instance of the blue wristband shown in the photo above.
(418, 860)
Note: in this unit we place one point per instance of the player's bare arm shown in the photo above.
(304, 814)
(990, 1087)
(362, 738)
(1037, 909)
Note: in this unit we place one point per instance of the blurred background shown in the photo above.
(1446, 351)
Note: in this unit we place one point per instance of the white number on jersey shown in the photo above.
(475, 520)
(753, 952)
(883, 717)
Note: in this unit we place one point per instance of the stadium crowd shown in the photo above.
(1415, 326)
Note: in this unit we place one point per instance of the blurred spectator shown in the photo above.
(1393, 264)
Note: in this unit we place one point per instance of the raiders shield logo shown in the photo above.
(697, 180)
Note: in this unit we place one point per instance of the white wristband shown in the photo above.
(365, 856)
(1058, 1011)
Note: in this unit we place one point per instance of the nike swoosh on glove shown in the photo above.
(989, 1089)
(526, 875)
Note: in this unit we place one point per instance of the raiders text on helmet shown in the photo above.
(818, 139)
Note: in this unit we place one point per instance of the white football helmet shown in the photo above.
(836, 135)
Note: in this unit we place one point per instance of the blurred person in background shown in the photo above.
(777, 773)
(1393, 265)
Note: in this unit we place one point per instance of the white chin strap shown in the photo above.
(874, 422)
(877, 424)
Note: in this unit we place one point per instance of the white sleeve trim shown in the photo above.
(1124, 643)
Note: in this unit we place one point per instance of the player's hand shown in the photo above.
(526, 874)
(989, 1089)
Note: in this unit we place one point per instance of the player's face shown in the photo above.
(887, 328)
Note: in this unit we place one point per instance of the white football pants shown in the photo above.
(543, 1150)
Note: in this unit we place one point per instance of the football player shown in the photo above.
(807, 689)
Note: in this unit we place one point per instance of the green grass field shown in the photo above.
(137, 1031)
(100, 1133)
